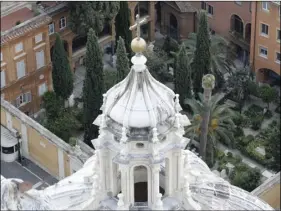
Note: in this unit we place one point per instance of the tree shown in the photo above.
(157, 64)
(182, 74)
(247, 179)
(274, 146)
(91, 14)
(221, 56)
(240, 85)
(93, 86)
(268, 94)
(202, 57)
(122, 62)
(110, 79)
(220, 124)
(122, 25)
(170, 45)
(61, 73)
(52, 104)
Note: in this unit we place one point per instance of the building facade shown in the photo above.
(265, 41)
(25, 59)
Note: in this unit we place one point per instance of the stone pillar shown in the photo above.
(103, 157)
(124, 183)
(156, 183)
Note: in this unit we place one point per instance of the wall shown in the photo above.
(33, 76)
(40, 145)
(221, 19)
(273, 20)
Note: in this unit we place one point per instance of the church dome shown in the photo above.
(139, 102)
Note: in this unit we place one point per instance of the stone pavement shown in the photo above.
(29, 172)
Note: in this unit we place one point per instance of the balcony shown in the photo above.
(238, 39)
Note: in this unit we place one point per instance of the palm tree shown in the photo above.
(220, 121)
(221, 55)
(240, 84)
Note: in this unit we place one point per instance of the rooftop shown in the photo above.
(16, 17)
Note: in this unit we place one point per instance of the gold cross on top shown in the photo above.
(138, 24)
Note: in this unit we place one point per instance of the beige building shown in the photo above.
(265, 41)
(269, 191)
(41, 146)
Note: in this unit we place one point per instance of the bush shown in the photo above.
(229, 154)
(238, 132)
(256, 122)
(72, 141)
(52, 104)
(238, 119)
(253, 88)
(268, 114)
(238, 159)
(219, 154)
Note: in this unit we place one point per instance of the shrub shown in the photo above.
(268, 114)
(238, 159)
(220, 154)
(238, 119)
(253, 88)
(110, 78)
(52, 104)
(256, 122)
(72, 141)
(229, 154)
(238, 132)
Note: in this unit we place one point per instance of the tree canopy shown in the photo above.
(122, 25)
(93, 87)
(122, 62)
(61, 73)
(91, 14)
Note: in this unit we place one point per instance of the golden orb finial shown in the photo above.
(138, 45)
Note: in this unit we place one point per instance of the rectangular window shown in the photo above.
(62, 23)
(20, 69)
(277, 59)
(3, 79)
(278, 36)
(203, 5)
(265, 6)
(42, 89)
(264, 29)
(23, 99)
(263, 52)
(19, 47)
(38, 38)
(210, 10)
(40, 60)
(51, 28)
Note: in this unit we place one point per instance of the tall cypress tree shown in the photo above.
(202, 56)
(182, 75)
(122, 25)
(93, 86)
(122, 62)
(61, 73)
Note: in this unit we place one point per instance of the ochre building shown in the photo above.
(25, 58)
(265, 41)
